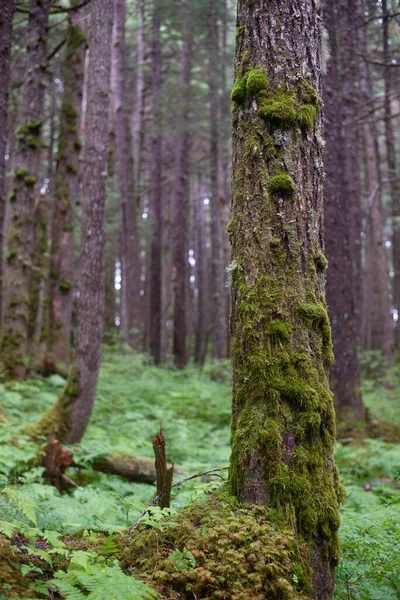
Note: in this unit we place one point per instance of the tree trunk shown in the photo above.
(201, 275)
(15, 342)
(181, 205)
(283, 422)
(132, 326)
(65, 192)
(6, 19)
(155, 197)
(83, 383)
(219, 326)
(138, 114)
(391, 158)
(380, 320)
(345, 376)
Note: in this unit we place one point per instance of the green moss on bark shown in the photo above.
(281, 184)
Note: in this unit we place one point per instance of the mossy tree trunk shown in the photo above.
(65, 193)
(181, 204)
(219, 325)
(130, 298)
(83, 383)
(15, 342)
(6, 20)
(283, 424)
(345, 374)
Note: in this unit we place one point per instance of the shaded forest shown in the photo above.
(199, 299)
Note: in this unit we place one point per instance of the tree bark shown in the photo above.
(181, 206)
(6, 19)
(391, 158)
(138, 113)
(201, 276)
(83, 383)
(219, 326)
(65, 192)
(345, 376)
(283, 420)
(15, 342)
(132, 326)
(155, 197)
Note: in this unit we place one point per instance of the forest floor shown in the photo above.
(134, 399)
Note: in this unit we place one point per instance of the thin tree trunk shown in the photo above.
(15, 342)
(201, 275)
(6, 19)
(219, 331)
(66, 188)
(182, 201)
(283, 422)
(132, 325)
(345, 376)
(391, 158)
(155, 197)
(138, 114)
(83, 383)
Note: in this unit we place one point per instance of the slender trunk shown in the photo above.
(219, 332)
(391, 158)
(138, 114)
(6, 19)
(15, 342)
(345, 376)
(66, 188)
(201, 277)
(380, 319)
(83, 383)
(283, 422)
(155, 198)
(132, 325)
(181, 201)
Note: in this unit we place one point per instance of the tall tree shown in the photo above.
(219, 331)
(181, 206)
(340, 231)
(6, 19)
(391, 158)
(131, 322)
(69, 417)
(65, 190)
(155, 194)
(283, 424)
(15, 342)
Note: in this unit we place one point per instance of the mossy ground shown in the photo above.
(221, 550)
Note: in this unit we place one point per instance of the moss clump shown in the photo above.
(321, 262)
(279, 329)
(281, 184)
(307, 93)
(13, 195)
(222, 550)
(65, 285)
(238, 94)
(278, 110)
(21, 174)
(306, 116)
(30, 179)
(257, 81)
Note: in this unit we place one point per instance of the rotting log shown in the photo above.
(140, 470)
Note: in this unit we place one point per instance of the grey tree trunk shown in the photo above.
(65, 192)
(132, 325)
(82, 387)
(219, 326)
(283, 420)
(181, 207)
(15, 339)
(6, 19)
(201, 275)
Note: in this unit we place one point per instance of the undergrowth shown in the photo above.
(71, 543)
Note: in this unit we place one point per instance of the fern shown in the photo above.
(98, 581)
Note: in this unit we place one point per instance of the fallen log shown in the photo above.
(140, 470)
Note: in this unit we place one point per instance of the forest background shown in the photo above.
(163, 133)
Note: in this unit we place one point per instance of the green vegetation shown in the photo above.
(74, 541)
